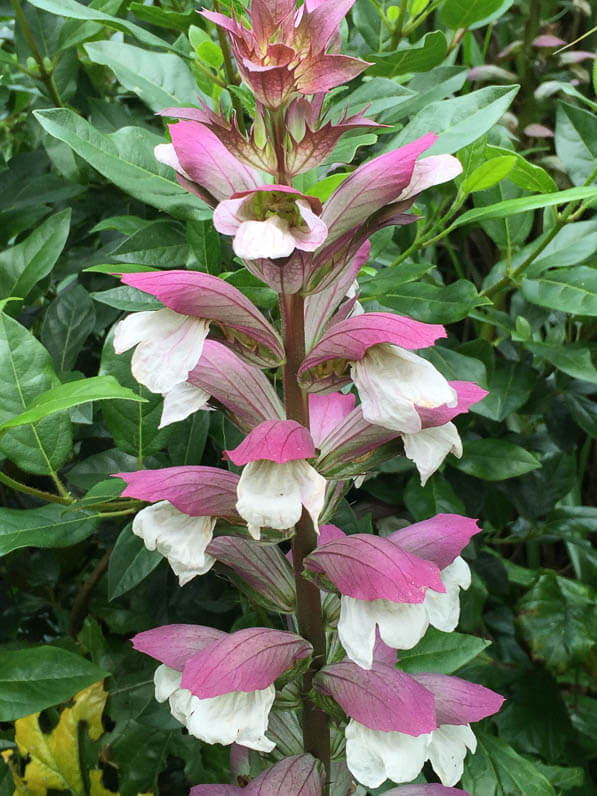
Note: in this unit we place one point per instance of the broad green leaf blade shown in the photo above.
(495, 459)
(489, 173)
(511, 207)
(572, 290)
(559, 620)
(47, 526)
(425, 54)
(423, 301)
(524, 174)
(126, 159)
(65, 396)
(26, 371)
(496, 769)
(575, 360)
(576, 141)
(463, 13)
(69, 320)
(37, 678)
(441, 652)
(73, 10)
(510, 386)
(24, 265)
(130, 563)
(161, 80)
(458, 121)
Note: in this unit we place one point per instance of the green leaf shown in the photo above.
(463, 13)
(47, 526)
(204, 243)
(75, 393)
(489, 173)
(572, 290)
(458, 121)
(583, 410)
(423, 301)
(346, 148)
(161, 80)
(130, 563)
(27, 371)
(126, 159)
(495, 459)
(558, 617)
(127, 298)
(36, 678)
(524, 174)
(69, 320)
(441, 652)
(24, 265)
(576, 141)
(454, 365)
(323, 189)
(575, 360)
(510, 386)
(163, 17)
(496, 769)
(161, 244)
(511, 207)
(73, 10)
(425, 54)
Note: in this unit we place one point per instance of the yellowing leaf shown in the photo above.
(54, 757)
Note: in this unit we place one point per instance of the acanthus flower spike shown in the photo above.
(220, 685)
(186, 504)
(214, 301)
(277, 481)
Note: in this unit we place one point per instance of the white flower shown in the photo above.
(181, 401)
(447, 750)
(373, 756)
(430, 446)
(237, 717)
(401, 625)
(392, 382)
(271, 238)
(182, 539)
(272, 495)
(165, 153)
(168, 344)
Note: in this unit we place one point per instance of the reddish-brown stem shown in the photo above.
(316, 734)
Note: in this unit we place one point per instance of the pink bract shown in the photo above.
(174, 645)
(439, 539)
(275, 440)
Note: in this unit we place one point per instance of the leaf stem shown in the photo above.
(63, 499)
(46, 76)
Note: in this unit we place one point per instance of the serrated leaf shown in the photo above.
(37, 677)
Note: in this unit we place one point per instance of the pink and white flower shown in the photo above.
(277, 481)
(299, 775)
(221, 685)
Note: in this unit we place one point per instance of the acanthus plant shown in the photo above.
(350, 601)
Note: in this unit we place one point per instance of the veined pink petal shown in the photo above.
(195, 490)
(548, 40)
(248, 660)
(432, 789)
(206, 296)
(310, 239)
(219, 790)
(207, 161)
(300, 775)
(323, 21)
(327, 533)
(275, 440)
(351, 440)
(439, 539)
(350, 339)
(457, 701)
(242, 388)
(371, 187)
(228, 215)
(328, 71)
(326, 412)
(366, 567)
(469, 393)
(381, 698)
(174, 645)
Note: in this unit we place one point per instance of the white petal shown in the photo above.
(229, 215)
(177, 536)
(401, 625)
(168, 344)
(165, 153)
(447, 751)
(238, 717)
(270, 238)
(166, 681)
(271, 495)
(181, 401)
(443, 610)
(310, 238)
(391, 381)
(356, 630)
(374, 756)
(430, 446)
